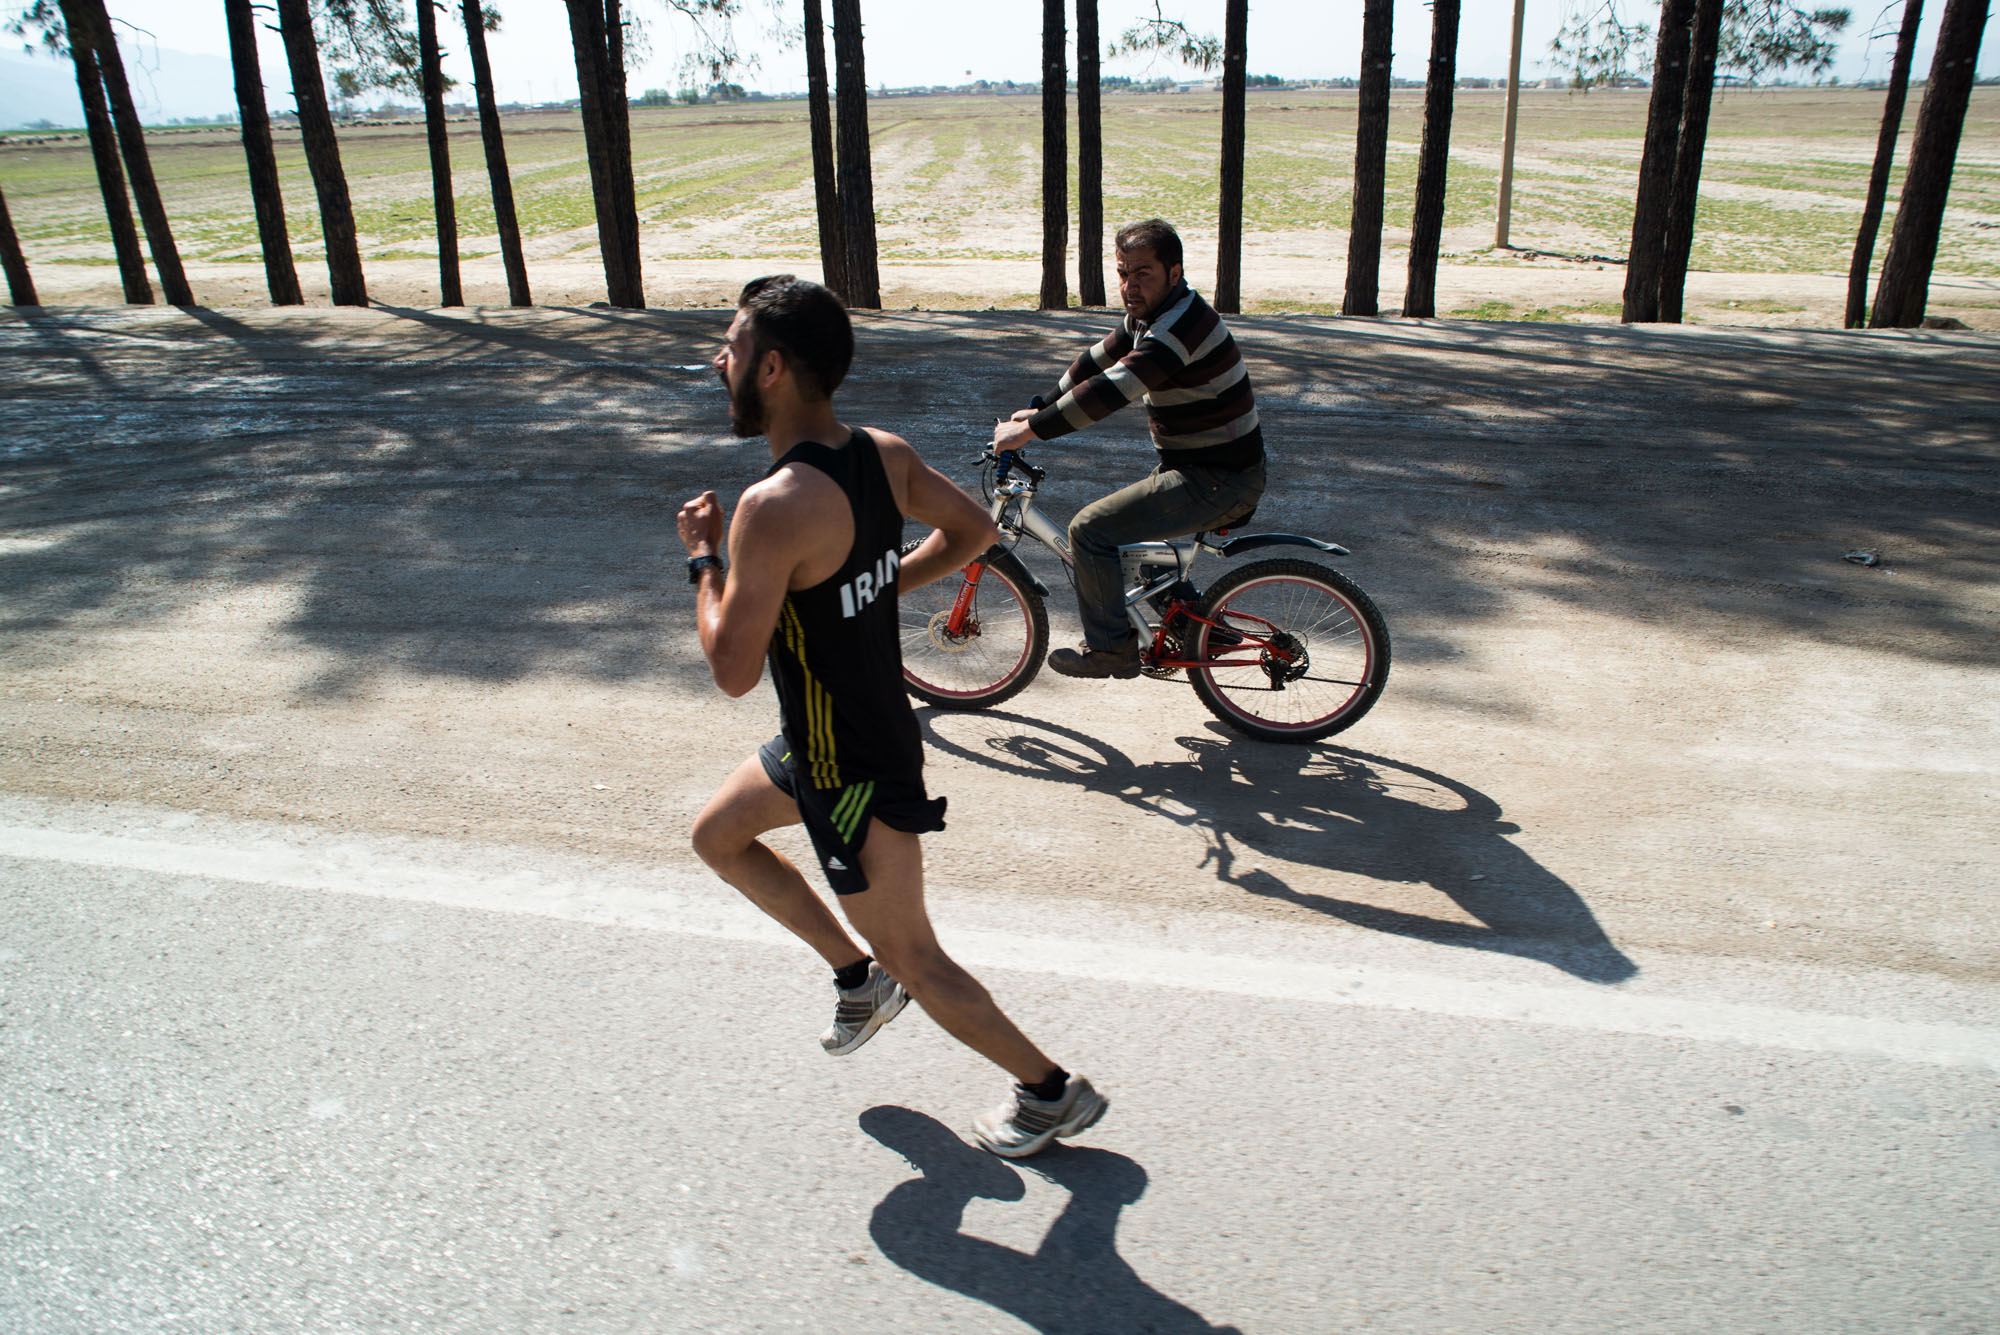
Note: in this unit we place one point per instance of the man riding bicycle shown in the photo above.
(1174, 352)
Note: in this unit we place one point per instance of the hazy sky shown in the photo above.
(941, 42)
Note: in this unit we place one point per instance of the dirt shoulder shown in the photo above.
(414, 571)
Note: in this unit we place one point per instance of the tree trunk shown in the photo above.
(1371, 160)
(1656, 165)
(1229, 202)
(1055, 158)
(442, 203)
(336, 211)
(496, 158)
(615, 242)
(618, 125)
(20, 286)
(1913, 242)
(1505, 217)
(132, 142)
(280, 276)
(110, 176)
(586, 35)
(826, 189)
(1433, 163)
(1885, 157)
(857, 185)
(1089, 161)
(1685, 194)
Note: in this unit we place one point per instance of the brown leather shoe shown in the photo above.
(1099, 663)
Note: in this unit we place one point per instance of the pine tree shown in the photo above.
(1371, 158)
(1433, 162)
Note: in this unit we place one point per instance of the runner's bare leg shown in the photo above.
(726, 836)
(890, 915)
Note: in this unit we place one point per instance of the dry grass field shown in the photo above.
(725, 192)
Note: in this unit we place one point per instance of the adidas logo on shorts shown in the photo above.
(835, 864)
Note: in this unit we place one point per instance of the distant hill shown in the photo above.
(166, 84)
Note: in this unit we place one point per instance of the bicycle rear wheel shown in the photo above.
(1298, 651)
(996, 649)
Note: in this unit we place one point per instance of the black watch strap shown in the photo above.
(697, 564)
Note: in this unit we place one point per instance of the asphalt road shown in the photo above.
(275, 1079)
(1631, 966)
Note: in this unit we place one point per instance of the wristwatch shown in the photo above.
(697, 564)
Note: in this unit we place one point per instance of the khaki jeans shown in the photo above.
(1167, 503)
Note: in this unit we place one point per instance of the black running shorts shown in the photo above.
(837, 818)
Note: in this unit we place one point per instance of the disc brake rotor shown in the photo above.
(941, 636)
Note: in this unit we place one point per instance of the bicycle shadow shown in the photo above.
(1075, 1283)
(1332, 807)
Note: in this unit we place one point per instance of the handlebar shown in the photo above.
(1007, 459)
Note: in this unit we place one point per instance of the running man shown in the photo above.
(811, 582)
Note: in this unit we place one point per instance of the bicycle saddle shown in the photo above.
(1224, 530)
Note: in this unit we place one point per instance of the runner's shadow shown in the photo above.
(1326, 806)
(1075, 1283)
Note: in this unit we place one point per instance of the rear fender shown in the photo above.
(1252, 542)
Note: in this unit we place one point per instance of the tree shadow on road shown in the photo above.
(1075, 1283)
(469, 502)
(1325, 806)
(488, 496)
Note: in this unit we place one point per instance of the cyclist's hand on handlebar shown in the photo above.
(1023, 415)
(1012, 434)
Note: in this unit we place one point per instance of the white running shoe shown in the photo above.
(1025, 1125)
(859, 1013)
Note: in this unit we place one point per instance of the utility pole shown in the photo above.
(1507, 143)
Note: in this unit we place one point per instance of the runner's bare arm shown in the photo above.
(963, 529)
(771, 537)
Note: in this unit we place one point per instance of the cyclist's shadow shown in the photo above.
(1330, 806)
(1075, 1282)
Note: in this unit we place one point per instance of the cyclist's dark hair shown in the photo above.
(1154, 234)
(806, 323)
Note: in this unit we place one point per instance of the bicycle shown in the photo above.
(1283, 650)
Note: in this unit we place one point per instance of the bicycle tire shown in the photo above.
(1342, 643)
(996, 659)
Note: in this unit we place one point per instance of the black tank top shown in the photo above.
(837, 657)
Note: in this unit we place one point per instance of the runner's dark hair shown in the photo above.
(1154, 234)
(806, 323)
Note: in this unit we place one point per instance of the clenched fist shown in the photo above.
(700, 525)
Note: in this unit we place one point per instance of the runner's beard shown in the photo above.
(746, 408)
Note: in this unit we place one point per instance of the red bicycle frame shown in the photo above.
(1249, 641)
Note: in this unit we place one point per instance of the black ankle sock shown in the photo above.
(854, 975)
(1050, 1089)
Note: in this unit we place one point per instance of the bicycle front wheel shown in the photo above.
(986, 653)
(1297, 651)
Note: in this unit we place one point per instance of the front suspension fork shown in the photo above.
(961, 606)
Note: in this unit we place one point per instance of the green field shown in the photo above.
(957, 179)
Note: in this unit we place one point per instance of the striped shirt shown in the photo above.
(1186, 367)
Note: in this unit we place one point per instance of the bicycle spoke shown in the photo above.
(981, 656)
(1301, 662)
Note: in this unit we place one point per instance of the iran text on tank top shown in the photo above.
(836, 657)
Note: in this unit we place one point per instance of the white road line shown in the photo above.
(696, 905)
